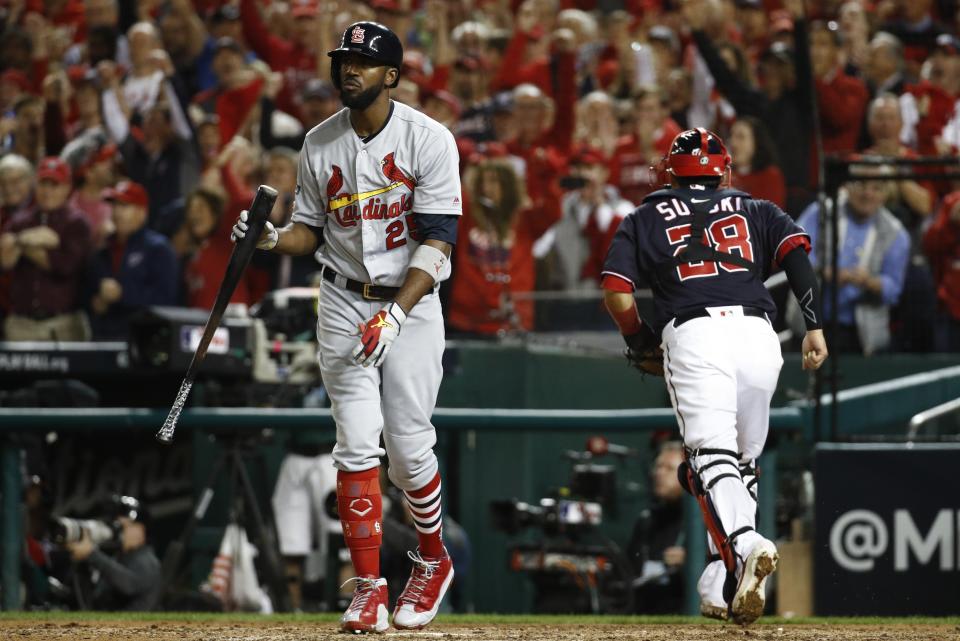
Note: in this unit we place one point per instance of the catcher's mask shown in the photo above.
(695, 153)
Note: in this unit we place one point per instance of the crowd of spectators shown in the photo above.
(133, 131)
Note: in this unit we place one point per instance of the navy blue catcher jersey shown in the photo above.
(643, 250)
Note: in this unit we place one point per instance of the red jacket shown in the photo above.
(486, 270)
(232, 106)
(515, 71)
(204, 272)
(296, 62)
(941, 243)
(630, 166)
(935, 107)
(842, 103)
(766, 184)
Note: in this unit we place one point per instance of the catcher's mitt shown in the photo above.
(643, 351)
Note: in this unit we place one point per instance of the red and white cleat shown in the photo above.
(368, 609)
(428, 582)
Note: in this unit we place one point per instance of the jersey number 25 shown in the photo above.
(729, 235)
(395, 237)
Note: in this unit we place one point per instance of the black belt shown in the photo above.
(700, 313)
(367, 290)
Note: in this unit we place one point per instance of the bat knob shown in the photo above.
(163, 438)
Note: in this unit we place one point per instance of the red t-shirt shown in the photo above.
(630, 166)
(488, 269)
(941, 243)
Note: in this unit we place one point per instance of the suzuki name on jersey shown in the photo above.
(674, 207)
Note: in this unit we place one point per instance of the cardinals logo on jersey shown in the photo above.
(346, 207)
(335, 184)
(389, 167)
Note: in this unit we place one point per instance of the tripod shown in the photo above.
(243, 508)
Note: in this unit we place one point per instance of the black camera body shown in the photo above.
(553, 516)
(566, 549)
(570, 183)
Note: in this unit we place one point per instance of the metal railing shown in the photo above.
(926, 416)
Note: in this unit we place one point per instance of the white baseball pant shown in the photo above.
(396, 399)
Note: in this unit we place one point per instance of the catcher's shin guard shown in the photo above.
(750, 473)
(714, 466)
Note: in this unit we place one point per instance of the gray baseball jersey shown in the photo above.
(363, 193)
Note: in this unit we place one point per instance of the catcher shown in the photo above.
(706, 249)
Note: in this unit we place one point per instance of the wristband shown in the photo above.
(429, 259)
(398, 314)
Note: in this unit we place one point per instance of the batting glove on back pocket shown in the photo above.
(268, 239)
(377, 335)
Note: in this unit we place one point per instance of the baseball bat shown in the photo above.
(242, 253)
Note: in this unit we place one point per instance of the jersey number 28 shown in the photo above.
(729, 235)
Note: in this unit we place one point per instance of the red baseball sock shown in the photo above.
(360, 507)
(427, 517)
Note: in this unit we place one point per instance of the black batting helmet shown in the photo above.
(370, 39)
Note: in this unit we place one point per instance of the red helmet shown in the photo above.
(698, 152)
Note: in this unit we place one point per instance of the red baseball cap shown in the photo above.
(587, 155)
(127, 192)
(107, 152)
(447, 98)
(55, 169)
(17, 78)
(391, 6)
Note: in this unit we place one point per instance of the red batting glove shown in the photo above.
(378, 334)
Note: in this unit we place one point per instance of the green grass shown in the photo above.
(460, 619)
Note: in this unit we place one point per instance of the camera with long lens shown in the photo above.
(103, 532)
(574, 567)
(64, 530)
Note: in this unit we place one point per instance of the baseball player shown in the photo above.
(705, 251)
(377, 200)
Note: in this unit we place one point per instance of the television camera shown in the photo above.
(574, 566)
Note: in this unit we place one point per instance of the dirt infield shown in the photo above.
(64, 630)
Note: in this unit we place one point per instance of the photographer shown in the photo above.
(130, 579)
(656, 547)
(592, 211)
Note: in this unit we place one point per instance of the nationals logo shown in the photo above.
(346, 207)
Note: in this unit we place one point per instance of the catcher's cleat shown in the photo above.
(368, 609)
(420, 600)
(749, 599)
(718, 612)
(710, 588)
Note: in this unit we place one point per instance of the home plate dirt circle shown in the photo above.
(33, 629)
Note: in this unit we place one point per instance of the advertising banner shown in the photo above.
(887, 529)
